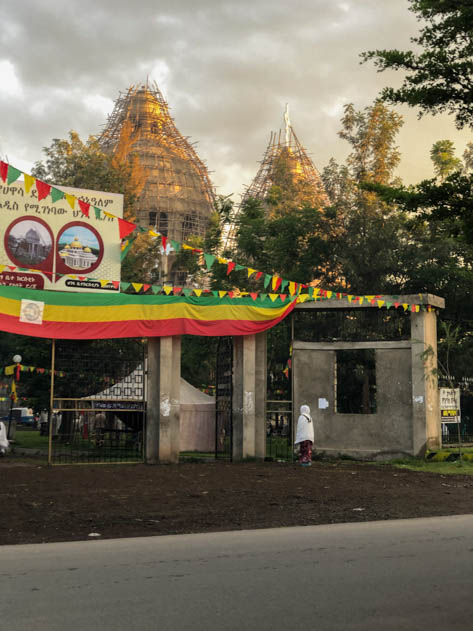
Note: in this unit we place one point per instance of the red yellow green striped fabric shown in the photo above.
(99, 316)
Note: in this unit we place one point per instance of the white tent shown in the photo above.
(197, 420)
(197, 417)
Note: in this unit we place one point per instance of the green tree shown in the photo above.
(439, 78)
(367, 232)
(443, 156)
(468, 158)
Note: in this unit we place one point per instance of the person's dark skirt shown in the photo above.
(305, 452)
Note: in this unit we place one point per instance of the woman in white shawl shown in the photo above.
(305, 436)
(3, 439)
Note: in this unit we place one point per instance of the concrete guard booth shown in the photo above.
(364, 373)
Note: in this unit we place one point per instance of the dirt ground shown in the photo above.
(66, 503)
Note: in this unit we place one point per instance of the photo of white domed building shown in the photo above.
(77, 254)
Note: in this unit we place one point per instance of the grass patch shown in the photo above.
(30, 440)
(444, 468)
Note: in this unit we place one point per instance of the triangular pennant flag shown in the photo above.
(231, 294)
(152, 233)
(329, 294)
(397, 304)
(29, 181)
(71, 200)
(221, 293)
(283, 297)
(198, 292)
(360, 298)
(263, 296)
(276, 282)
(389, 305)
(98, 212)
(380, 303)
(124, 227)
(176, 246)
(3, 170)
(369, 298)
(110, 215)
(230, 266)
(284, 284)
(167, 289)
(251, 271)
(124, 286)
(56, 195)
(13, 174)
(303, 297)
(258, 275)
(145, 288)
(187, 247)
(267, 280)
(84, 206)
(177, 290)
(116, 284)
(43, 189)
(209, 260)
(186, 291)
(254, 295)
(239, 267)
(405, 306)
(164, 241)
(156, 289)
(292, 287)
(103, 282)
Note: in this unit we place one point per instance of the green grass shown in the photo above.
(27, 439)
(445, 468)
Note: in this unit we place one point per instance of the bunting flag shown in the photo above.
(13, 395)
(103, 316)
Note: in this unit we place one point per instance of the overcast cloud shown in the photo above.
(227, 69)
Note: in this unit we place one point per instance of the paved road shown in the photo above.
(403, 575)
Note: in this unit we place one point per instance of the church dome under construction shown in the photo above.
(176, 196)
(285, 166)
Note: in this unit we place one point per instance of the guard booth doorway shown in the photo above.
(99, 404)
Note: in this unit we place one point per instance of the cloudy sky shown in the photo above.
(226, 67)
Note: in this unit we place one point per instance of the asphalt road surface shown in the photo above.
(403, 575)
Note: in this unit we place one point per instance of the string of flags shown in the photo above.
(276, 286)
(16, 369)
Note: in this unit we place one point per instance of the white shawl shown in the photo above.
(305, 426)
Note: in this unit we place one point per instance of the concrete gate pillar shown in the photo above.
(249, 396)
(427, 433)
(163, 409)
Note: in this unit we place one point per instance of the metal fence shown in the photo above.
(99, 404)
(279, 445)
(96, 431)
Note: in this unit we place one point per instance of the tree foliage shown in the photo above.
(366, 230)
(443, 157)
(439, 78)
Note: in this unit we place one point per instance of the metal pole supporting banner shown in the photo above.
(51, 403)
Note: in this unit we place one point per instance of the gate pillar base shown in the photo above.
(163, 409)
(249, 396)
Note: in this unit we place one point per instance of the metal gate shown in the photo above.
(223, 399)
(99, 408)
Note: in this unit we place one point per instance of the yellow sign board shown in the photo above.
(57, 245)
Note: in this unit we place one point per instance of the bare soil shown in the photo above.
(66, 503)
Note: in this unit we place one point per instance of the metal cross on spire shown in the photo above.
(288, 124)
